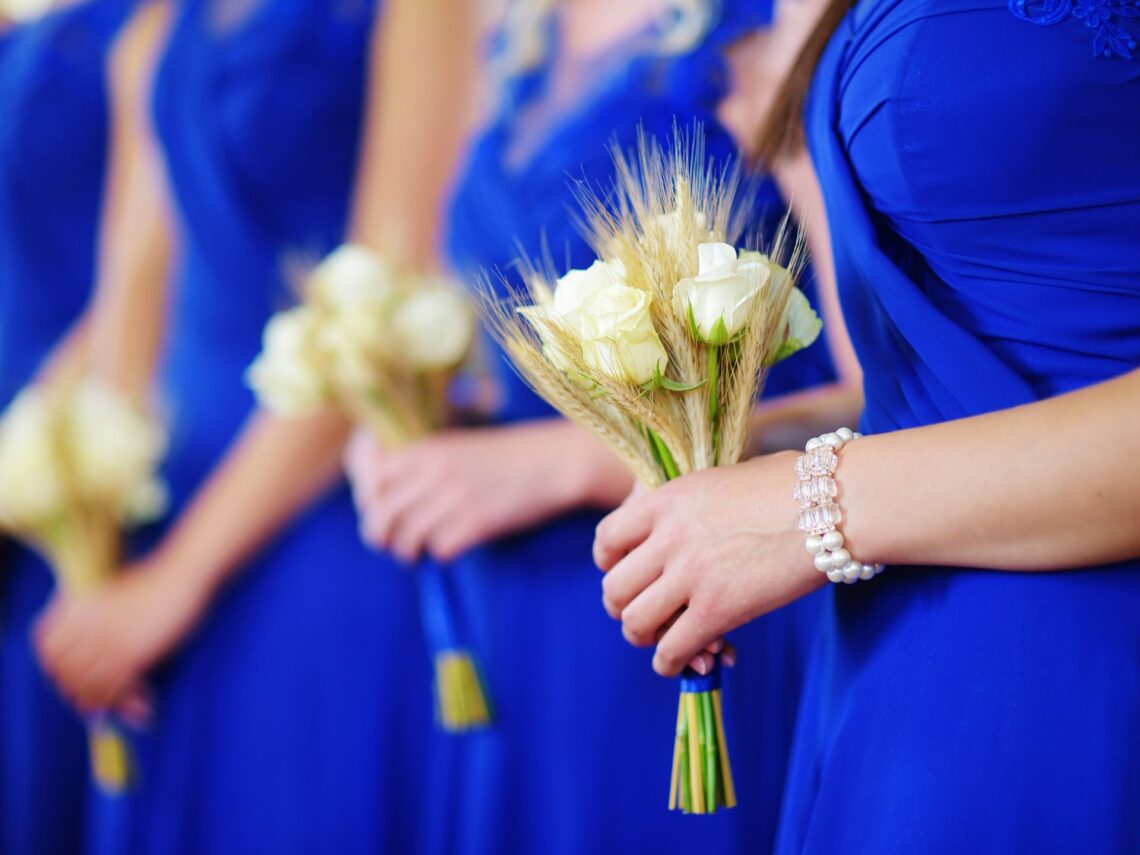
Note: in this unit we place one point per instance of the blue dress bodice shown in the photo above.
(1022, 282)
(259, 119)
(53, 145)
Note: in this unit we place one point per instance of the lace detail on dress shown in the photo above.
(1109, 38)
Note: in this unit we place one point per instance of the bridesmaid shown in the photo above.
(284, 723)
(581, 757)
(52, 153)
(982, 693)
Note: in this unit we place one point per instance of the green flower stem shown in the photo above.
(714, 397)
(708, 725)
(683, 739)
(664, 455)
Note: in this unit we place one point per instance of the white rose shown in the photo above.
(352, 279)
(579, 287)
(113, 448)
(720, 299)
(32, 489)
(287, 376)
(433, 327)
(618, 336)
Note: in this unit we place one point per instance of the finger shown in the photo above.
(684, 640)
(456, 530)
(702, 663)
(90, 680)
(643, 620)
(630, 576)
(386, 512)
(728, 657)
(423, 521)
(55, 636)
(135, 707)
(622, 531)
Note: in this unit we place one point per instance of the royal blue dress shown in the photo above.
(580, 760)
(52, 153)
(296, 718)
(979, 165)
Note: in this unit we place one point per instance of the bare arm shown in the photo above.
(126, 317)
(419, 108)
(1046, 486)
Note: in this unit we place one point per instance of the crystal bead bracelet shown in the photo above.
(820, 515)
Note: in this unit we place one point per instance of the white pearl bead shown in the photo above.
(868, 572)
(832, 540)
(850, 580)
(879, 568)
(840, 557)
(832, 439)
(835, 575)
(813, 443)
(846, 433)
(856, 435)
(814, 544)
(852, 569)
(823, 562)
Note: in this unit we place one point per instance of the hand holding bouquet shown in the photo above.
(77, 464)
(382, 344)
(661, 347)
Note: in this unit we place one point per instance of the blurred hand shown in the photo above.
(98, 647)
(462, 488)
(702, 555)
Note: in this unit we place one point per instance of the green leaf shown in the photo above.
(677, 386)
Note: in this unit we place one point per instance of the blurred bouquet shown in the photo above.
(382, 344)
(77, 464)
(661, 347)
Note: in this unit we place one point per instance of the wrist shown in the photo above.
(195, 580)
(821, 497)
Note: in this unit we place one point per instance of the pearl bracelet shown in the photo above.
(819, 513)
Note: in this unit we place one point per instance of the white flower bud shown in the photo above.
(434, 327)
(287, 376)
(32, 487)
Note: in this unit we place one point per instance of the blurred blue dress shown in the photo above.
(296, 718)
(52, 150)
(580, 761)
(979, 165)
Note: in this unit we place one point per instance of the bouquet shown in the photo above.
(382, 344)
(77, 464)
(661, 347)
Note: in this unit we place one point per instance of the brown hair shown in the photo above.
(782, 132)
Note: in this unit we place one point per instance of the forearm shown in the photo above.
(275, 470)
(126, 319)
(1046, 486)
